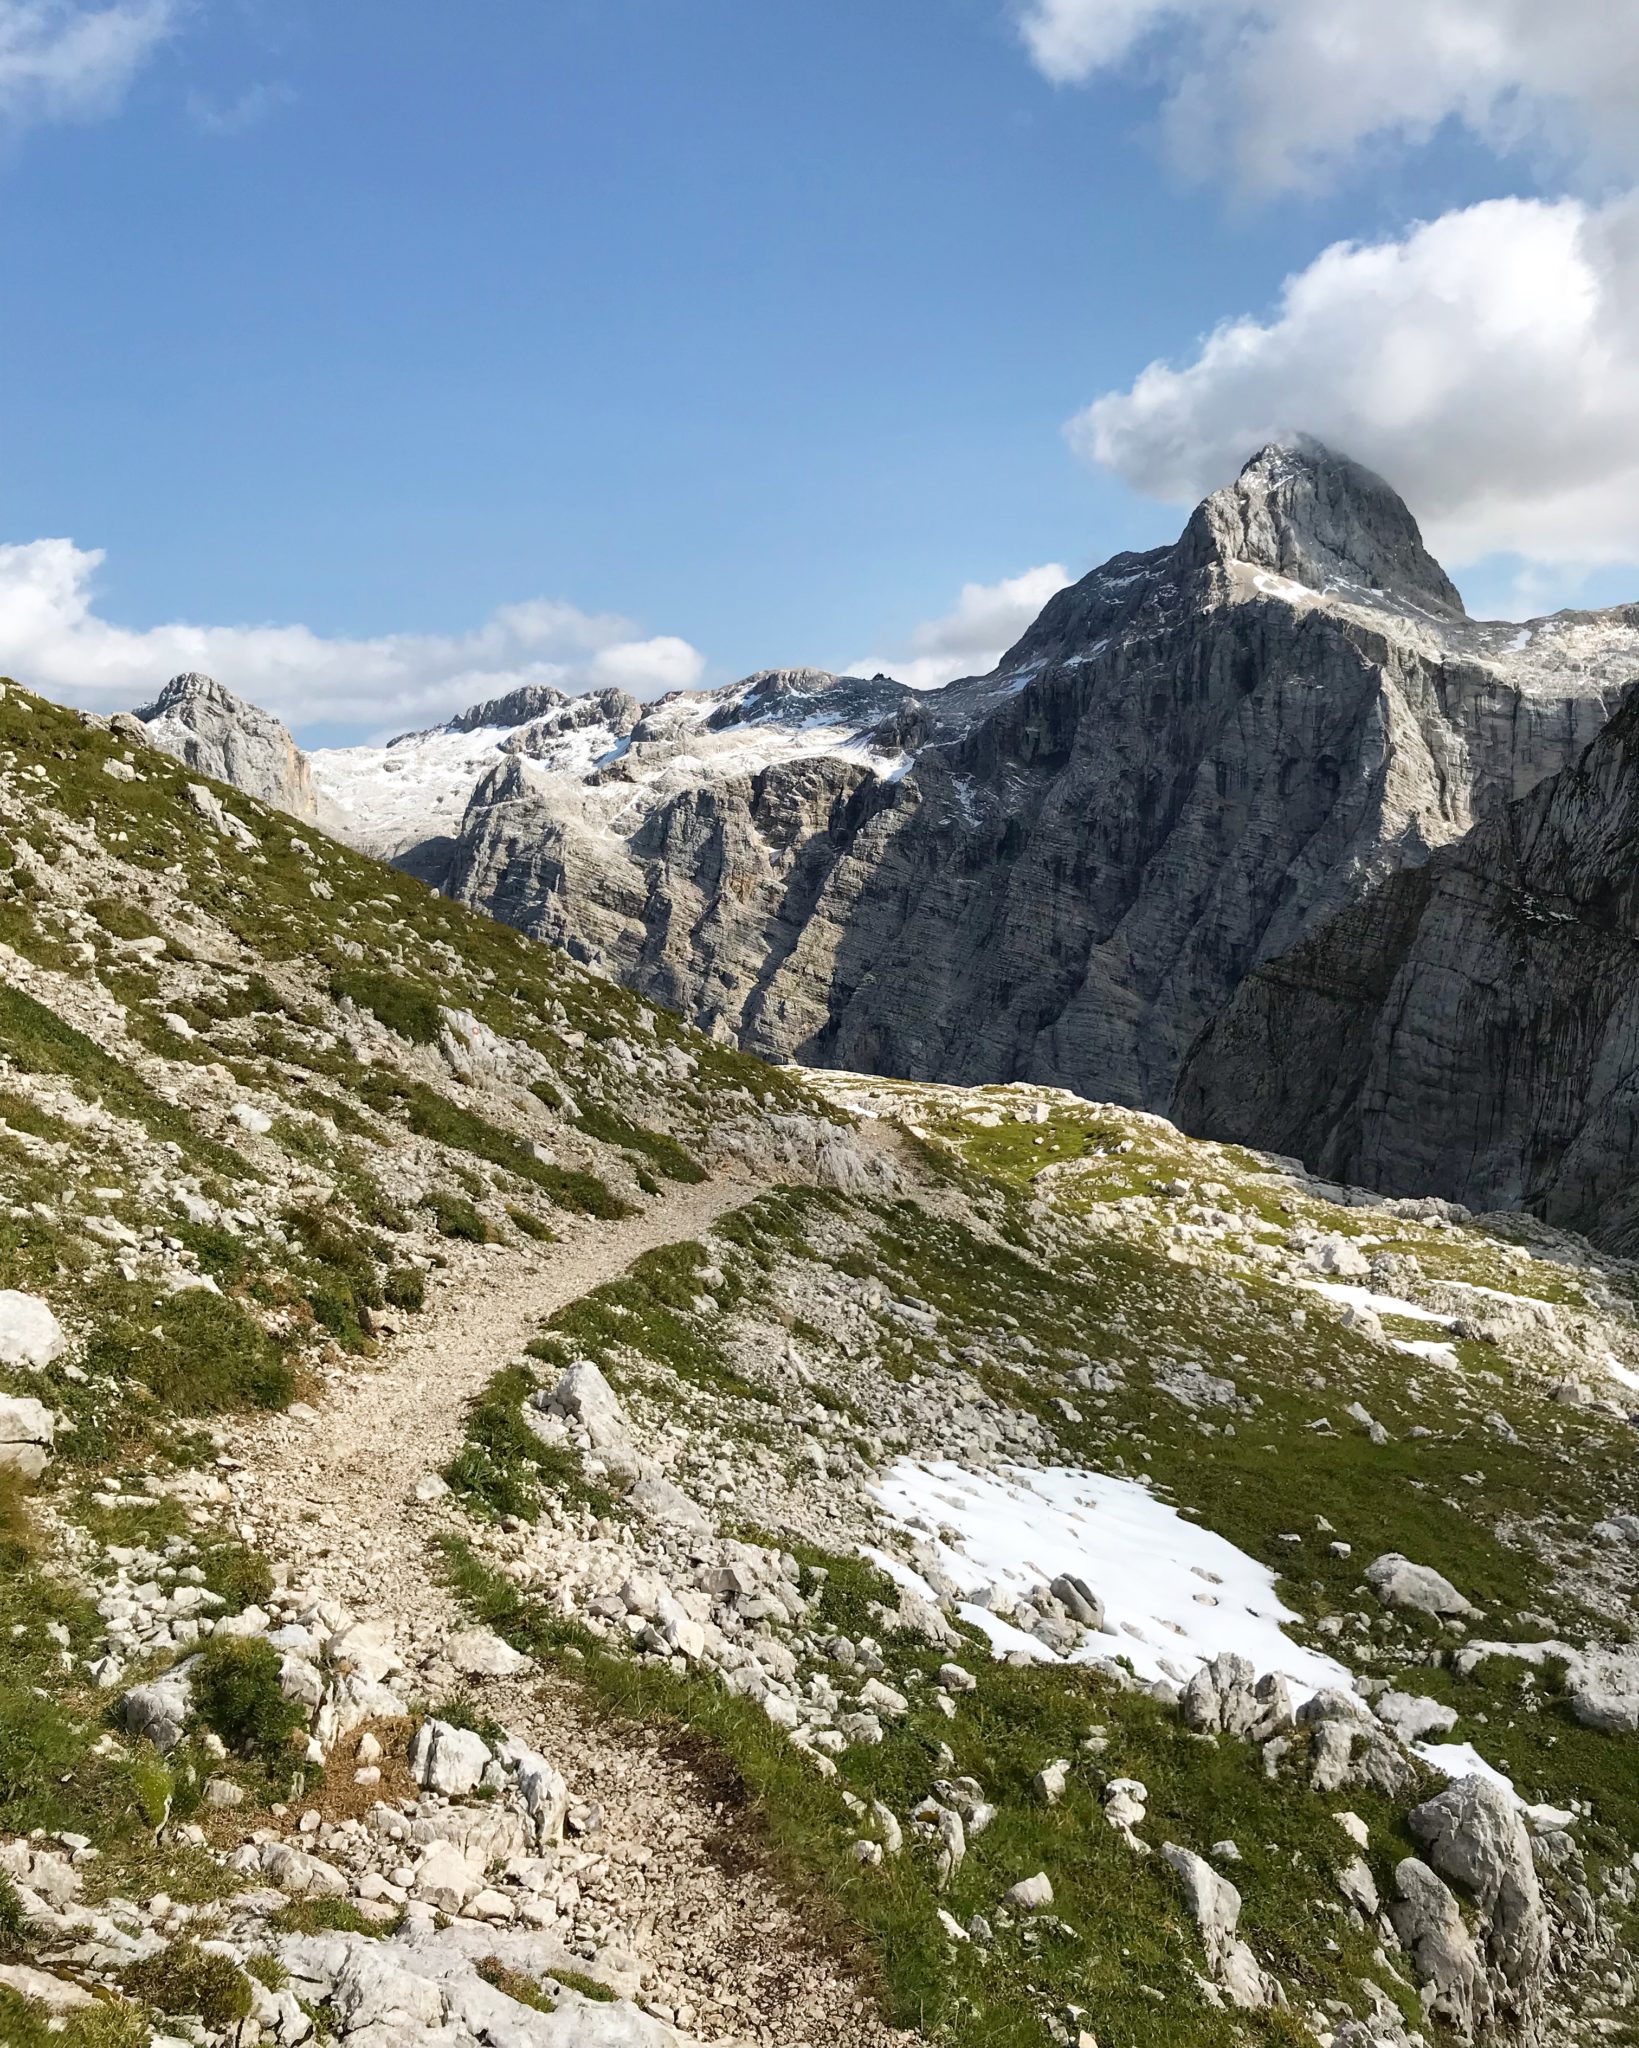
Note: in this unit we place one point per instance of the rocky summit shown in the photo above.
(522, 1526)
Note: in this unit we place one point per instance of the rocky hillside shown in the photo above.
(1471, 1027)
(1058, 872)
(524, 1526)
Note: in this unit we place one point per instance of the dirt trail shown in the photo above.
(335, 1496)
(679, 1887)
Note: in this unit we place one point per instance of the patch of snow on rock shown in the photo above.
(1175, 1595)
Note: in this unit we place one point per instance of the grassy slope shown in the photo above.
(153, 955)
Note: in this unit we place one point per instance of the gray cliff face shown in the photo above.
(1472, 1026)
(1061, 872)
(220, 735)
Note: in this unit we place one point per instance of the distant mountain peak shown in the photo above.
(192, 688)
(518, 707)
(204, 724)
(1312, 516)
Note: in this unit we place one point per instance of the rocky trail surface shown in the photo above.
(679, 1906)
(333, 1492)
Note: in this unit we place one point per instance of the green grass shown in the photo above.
(454, 1216)
(503, 1467)
(526, 1990)
(37, 1041)
(435, 1116)
(236, 1694)
(404, 1006)
(529, 1225)
(664, 1154)
(185, 1978)
(588, 1987)
(198, 1354)
(327, 1916)
(113, 2024)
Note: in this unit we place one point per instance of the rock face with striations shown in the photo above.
(1472, 1026)
(1059, 872)
(222, 736)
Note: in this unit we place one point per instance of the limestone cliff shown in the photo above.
(1471, 1027)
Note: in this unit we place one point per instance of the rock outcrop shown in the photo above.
(1059, 872)
(1471, 1027)
(220, 735)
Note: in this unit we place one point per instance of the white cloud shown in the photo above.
(60, 59)
(969, 639)
(1484, 363)
(1281, 91)
(53, 639)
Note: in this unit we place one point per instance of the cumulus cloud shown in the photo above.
(972, 637)
(1280, 91)
(1484, 363)
(53, 639)
(60, 59)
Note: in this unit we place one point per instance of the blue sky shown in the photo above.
(755, 328)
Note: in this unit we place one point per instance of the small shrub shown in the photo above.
(531, 1225)
(268, 1970)
(208, 1357)
(588, 1987)
(243, 1578)
(236, 1694)
(664, 1154)
(185, 1978)
(514, 1983)
(406, 1288)
(456, 1217)
(13, 1925)
(151, 1789)
(38, 1745)
(406, 1007)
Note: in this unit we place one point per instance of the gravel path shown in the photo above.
(334, 1498)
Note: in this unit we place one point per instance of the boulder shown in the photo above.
(1413, 1716)
(56, 1994)
(26, 1433)
(583, 1395)
(1431, 1928)
(159, 1710)
(1030, 1894)
(480, 1653)
(1474, 1836)
(30, 1335)
(1398, 1582)
(1215, 1906)
(447, 1759)
(1078, 1597)
(1227, 1697)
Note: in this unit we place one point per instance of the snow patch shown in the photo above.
(1175, 1594)
(1381, 1304)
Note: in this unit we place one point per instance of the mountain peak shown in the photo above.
(218, 734)
(192, 688)
(1318, 518)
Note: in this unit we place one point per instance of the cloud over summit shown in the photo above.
(1484, 362)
